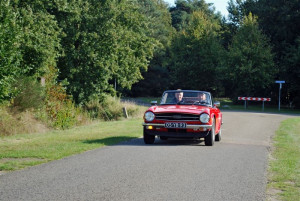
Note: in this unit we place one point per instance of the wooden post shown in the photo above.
(125, 112)
(43, 81)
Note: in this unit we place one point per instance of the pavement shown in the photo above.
(233, 169)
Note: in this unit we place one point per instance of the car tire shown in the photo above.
(148, 139)
(163, 137)
(209, 140)
(219, 136)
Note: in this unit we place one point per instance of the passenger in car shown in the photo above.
(202, 98)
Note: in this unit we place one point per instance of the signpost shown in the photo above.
(280, 82)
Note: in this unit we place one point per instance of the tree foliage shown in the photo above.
(30, 43)
(106, 42)
(280, 21)
(156, 78)
(291, 72)
(94, 44)
(182, 12)
(196, 55)
(250, 68)
(10, 55)
(40, 45)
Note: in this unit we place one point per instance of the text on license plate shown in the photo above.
(175, 125)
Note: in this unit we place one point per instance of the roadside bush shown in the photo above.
(12, 122)
(34, 106)
(61, 110)
(30, 94)
(104, 107)
(7, 123)
(111, 108)
(134, 110)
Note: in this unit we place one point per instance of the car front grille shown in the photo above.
(177, 117)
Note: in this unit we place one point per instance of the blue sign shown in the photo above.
(280, 82)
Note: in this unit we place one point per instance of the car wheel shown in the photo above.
(209, 140)
(163, 137)
(219, 136)
(148, 139)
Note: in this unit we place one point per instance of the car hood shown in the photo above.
(188, 109)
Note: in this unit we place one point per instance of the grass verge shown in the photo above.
(284, 166)
(20, 151)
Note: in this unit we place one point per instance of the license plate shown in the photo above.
(175, 125)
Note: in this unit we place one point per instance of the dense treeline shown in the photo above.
(90, 48)
(241, 55)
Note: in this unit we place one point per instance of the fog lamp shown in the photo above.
(150, 127)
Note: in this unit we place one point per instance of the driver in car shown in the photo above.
(178, 97)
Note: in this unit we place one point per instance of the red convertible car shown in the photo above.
(183, 114)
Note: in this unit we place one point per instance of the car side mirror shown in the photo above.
(217, 104)
(153, 102)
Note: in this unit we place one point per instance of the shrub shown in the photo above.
(60, 109)
(7, 123)
(12, 122)
(30, 94)
(111, 108)
(134, 110)
(105, 107)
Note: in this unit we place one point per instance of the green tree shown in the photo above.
(156, 78)
(291, 73)
(197, 55)
(280, 21)
(30, 41)
(40, 45)
(237, 9)
(104, 41)
(182, 12)
(250, 68)
(10, 55)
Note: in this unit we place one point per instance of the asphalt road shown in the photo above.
(234, 169)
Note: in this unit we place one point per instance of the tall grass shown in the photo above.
(63, 115)
(30, 94)
(111, 108)
(12, 123)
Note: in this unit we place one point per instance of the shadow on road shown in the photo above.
(132, 141)
(109, 140)
(158, 142)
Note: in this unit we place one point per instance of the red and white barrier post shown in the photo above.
(255, 99)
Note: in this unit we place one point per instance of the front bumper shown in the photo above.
(191, 130)
(188, 126)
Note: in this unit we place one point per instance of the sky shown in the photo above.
(220, 5)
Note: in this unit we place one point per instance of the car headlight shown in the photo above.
(204, 118)
(149, 116)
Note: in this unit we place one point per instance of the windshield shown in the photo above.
(185, 98)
